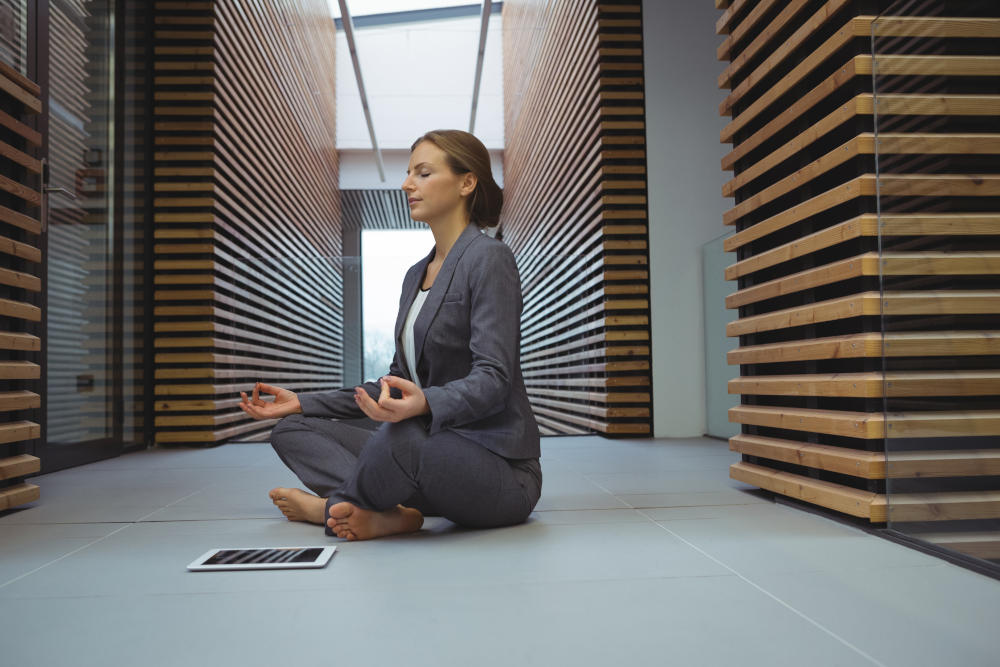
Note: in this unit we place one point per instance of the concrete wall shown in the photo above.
(685, 201)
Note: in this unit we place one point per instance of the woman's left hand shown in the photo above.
(388, 409)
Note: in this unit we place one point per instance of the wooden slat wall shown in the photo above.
(20, 285)
(575, 211)
(247, 212)
(824, 392)
(377, 209)
(136, 235)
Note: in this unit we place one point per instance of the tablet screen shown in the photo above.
(280, 555)
(263, 558)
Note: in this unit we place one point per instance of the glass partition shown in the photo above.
(937, 158)
(80, 384)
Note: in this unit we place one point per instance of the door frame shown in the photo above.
(65, 455)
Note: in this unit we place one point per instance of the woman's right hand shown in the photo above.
(285, 402)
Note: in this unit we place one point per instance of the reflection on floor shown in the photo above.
(641, 552)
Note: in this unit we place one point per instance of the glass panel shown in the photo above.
(80, 382)
(386, 255)
(14, 34)
(938, 129)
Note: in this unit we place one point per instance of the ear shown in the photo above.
(468, 185)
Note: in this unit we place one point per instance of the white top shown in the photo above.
(407, 334)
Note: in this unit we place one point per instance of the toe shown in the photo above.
(341, 510)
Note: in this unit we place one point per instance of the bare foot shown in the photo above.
(353, 523)
(298, 505)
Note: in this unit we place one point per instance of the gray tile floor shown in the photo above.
(640, 552)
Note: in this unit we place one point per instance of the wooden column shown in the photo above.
(247, 211)
(20, 285)
(575, 211)
(868, 242)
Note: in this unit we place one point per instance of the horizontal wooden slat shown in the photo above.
(19, 341)
(19, 466)
(21, 220)
(16, 77)
(20, 157)
(871, 425)
(870, 345)
(209, 436)
(940, 224)
(825, 494)
(943, 506)
(863, 65)
(20, 310)
(17, 431)
(19, 370)
(862, 144)
(725, 23)
(593, 396)
(17, 495)
(878, 508)
(872, 465)
(889, 104)
(19, 400)
(893, 384)
(864, 26)
(20, 250)
(956, 302)
(872, 264)
(27, 133)
(854, 462)
(888, 185)
(28, 99)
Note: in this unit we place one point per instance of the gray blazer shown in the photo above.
(467, 339)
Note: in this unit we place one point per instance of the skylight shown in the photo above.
(370, 7)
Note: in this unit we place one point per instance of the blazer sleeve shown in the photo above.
(340, 404)
(495, 325)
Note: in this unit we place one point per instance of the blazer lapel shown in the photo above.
(436, 296)
(410, 286)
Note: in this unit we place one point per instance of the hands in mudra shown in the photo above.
(285, 402)
(386, 409)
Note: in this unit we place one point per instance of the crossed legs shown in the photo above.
(381, 483)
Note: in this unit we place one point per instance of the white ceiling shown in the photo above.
(367, 7)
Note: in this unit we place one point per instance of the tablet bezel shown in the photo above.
(198, 564)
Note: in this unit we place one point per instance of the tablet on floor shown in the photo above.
(262, 558)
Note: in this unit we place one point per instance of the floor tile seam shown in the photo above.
(670, 507)
(91, 543)
(64, 556)
(216, 519)
(63, 523)
(872, 659)
(639, 509)
(340, 586)
(640, 512)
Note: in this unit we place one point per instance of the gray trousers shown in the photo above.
(400, 464)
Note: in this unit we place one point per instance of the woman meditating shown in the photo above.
(457, 437)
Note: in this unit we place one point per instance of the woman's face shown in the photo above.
(433, 191)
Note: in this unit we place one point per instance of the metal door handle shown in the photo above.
(62, 191)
